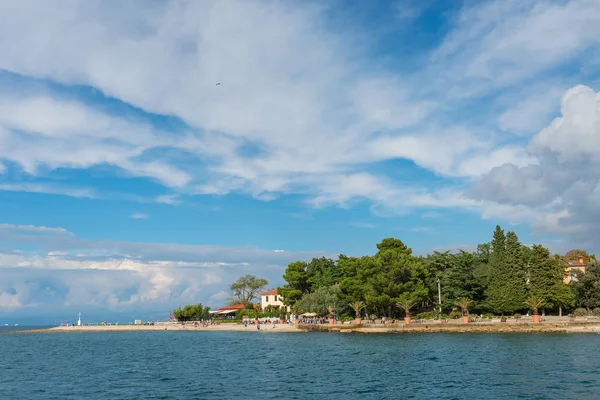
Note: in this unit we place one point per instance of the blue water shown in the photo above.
(263, 365)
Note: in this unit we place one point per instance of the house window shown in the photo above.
(267, 299)
(275, 298)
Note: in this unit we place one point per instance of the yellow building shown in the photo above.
(271, 298)
(572, 267)
(575, 261)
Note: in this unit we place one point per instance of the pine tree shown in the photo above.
(546, 278)
(515, 279)
(497, 299)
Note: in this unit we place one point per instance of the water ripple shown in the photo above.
(247, 365)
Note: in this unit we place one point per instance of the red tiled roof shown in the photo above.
(268, 292)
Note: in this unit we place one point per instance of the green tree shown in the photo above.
(535, 303)
(318, 301)
(322, 272)
(546, 279)
(406, 304)
(507, 286)
(396, 273)
(561, 294)
(246, 289)
(497, 298)
(354, 275)
(297, 285)
(438, 264)
(192, 312)
(515, 278)
(586, 287)
(357, 307)
(483, 252)
(464, 304)
(460, 280)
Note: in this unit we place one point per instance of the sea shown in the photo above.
(267, 365)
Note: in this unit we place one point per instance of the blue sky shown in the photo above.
(131, 183)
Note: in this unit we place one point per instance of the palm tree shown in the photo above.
(464, 304)
(357, 306)
(406, 305)
(535, 303)
(331, 309)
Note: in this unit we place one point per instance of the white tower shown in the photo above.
(79, 320)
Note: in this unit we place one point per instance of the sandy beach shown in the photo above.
(172, 327)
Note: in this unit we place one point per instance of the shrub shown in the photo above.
(517, 316)
(427, 315)
(346, 317)
(581, 312)
(596, 312)
(455, 314)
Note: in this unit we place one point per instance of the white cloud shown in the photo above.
(44, 131)
(170, 199)
(300, 109)
(49, 188)
(33, 229)
(559, 195)
(123, 276)
(138, 216)
(496, 44)
(307, 98)
(309, 109)
(531, 109)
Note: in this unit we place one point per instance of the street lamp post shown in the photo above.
(440, 295)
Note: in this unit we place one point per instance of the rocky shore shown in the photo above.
(436, 327)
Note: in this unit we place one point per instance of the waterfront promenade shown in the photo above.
(524, 325)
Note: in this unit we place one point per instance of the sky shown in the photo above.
(153, 151)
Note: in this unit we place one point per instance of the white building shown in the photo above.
(271, 298)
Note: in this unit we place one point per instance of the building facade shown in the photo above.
(271, 298)
(572, 267)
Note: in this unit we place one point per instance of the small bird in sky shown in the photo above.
(218, 83)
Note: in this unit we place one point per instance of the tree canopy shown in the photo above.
(246, 288)
(192, 312)
(498, 277)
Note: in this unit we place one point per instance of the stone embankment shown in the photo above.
(481, 327)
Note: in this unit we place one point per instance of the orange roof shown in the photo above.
(268, 292)
(233, 307)
(236, 307)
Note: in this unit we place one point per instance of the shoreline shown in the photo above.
(424, 327)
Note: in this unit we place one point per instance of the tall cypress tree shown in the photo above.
(497, 299)
(514, 279)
